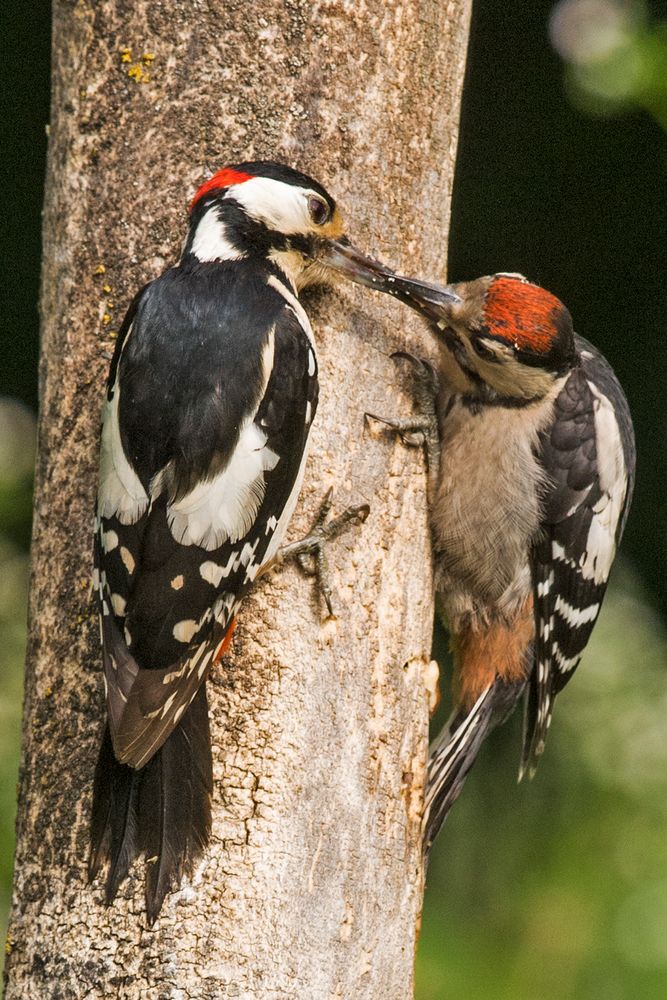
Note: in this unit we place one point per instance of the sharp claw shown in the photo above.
(413, 440)
(325, 508)
(310, 553)
(404, 355)
(362, 511)
(380, 420)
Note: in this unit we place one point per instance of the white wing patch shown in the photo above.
(601, 541)
(120, 492)
(576, 617)
(213, 572)
(224, 508)
(128, 559)
(183, 631)
(109, 541)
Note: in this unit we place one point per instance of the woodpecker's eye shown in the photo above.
(319, 210)
(482, 351)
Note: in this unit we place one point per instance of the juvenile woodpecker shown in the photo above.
(210, 401)
(531, 467)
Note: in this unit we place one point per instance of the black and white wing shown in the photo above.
(588, 452)
(196, 492)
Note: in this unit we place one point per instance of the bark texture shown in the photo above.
(312, 886)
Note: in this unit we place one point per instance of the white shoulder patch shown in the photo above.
(223, 508)
(294, 305)
(601, 542)
(120, 491)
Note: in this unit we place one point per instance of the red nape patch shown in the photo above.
(224, 178)
(523, 314)
(226, 642)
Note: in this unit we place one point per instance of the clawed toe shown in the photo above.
(420, 430)
(310, 552)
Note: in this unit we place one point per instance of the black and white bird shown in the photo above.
(211, 396)
(531, 469)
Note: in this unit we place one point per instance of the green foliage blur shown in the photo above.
(555, 889)
(615, 56)
(17, 450)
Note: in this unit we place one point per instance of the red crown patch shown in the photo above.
(224, 178)
(524, 314)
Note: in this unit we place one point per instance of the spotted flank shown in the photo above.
(588, 452)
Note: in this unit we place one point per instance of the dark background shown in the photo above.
(559, 889)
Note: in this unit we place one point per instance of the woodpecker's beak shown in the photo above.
(428, 299)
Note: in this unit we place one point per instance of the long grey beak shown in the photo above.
(429, 299)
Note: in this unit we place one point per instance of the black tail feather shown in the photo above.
(114, 818)
(175, 804)
(455, 751)
(162, 810)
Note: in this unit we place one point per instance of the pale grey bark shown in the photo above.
(312, 886)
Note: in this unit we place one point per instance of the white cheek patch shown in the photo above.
(279, 206)
(120, 493)
(210, 240)
(224, 508)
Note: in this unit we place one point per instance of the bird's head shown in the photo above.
(263, 209)
(508, 337)
(501, 337)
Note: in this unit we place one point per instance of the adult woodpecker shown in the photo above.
(531, 468)
(210, 401)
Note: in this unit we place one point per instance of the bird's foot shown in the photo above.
(422, 428)
(310, 552)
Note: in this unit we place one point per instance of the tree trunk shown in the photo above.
(312, 885)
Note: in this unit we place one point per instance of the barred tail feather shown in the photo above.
(162, 810)
(455, 750)
(538, 708)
